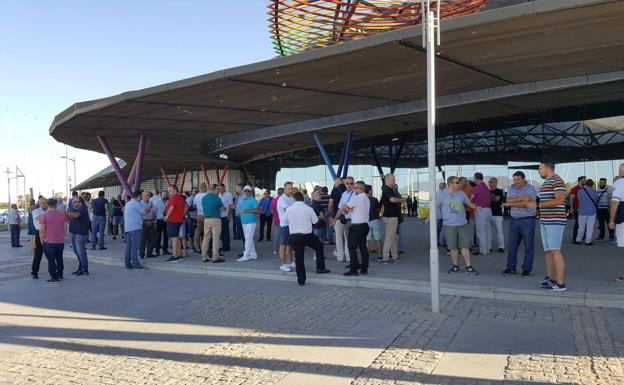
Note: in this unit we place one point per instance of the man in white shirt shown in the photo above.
(342, 225)
(197, 204)
(36, 244)
(300, 218)
(284, 201)
(617, 197)
(161, 225)
(226, 199)
(358, 208)
(14, 225)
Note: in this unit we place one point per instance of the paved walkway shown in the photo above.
(158, 327)
(590, 271)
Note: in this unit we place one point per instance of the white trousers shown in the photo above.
(497, 222)
(483, 229)
(586, 228)
(249, 232)
(619, 234)
(342, 250)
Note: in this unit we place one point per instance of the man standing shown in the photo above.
(521, 225)
(283, 203)
(175, 211)
(118, 217)
(79, 229)
(160, 236)
(332, 206)
(276, 221)
(408, 203)
(226, 199)
(375, 226)
(483, 217)
(249, 211)
(52, 232)
(465, 186)
(580, 182)
(456, 230)
(391, 202)
(134, 210)
(14, 224)
(439, 220)
(359, 208)
(616, 219)
(238, 227)
(212, 207)
(191, 223)
(342, 222)
(98, 225)
(199, 230)
(588, 205)
(301, 217)
(266, 216)
(604, 200)
(497, 196)
(37, 246)
(149, 228)
(553, 218)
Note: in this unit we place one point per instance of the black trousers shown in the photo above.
(299, 243)
(357, 240)
(36, 263)
(225, 233)
(265, 220)
(603, 220)
(161, 235)
(147, 239)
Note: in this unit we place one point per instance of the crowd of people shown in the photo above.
(204, 220)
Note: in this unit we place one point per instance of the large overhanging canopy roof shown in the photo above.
(536, 62)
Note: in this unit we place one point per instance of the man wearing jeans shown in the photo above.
(52, 233)
(133, 220)
(99, 221)
(521, 225)
(483, 217)
(79, 229)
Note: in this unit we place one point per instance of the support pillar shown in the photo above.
(139, 162)
(325, 156)
(164, 175)
(377, 162)
(181, 188)
(205, 174)
(397, 156)
(124, 184)
(347, 155)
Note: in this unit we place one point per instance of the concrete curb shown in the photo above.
(484, 292)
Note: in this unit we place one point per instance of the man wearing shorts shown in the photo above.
(553, 219)
(175, 211)
(616, 199)
(283, 203)
(455, 225)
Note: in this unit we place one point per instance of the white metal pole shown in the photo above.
(66, 174)
(431, 152)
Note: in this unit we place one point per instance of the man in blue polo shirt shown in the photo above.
(99, 220)
(134, 211)
(248, 215)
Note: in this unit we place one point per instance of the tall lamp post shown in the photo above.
(73, 160)
(431, 38)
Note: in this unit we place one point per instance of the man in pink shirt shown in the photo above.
(483, 228)
(276, 220)
(52, 234)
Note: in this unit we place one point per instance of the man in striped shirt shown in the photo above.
(552, 223)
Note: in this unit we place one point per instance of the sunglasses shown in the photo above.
(349, 184)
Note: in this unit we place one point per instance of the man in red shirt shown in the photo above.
(175, 211)
(574, 204)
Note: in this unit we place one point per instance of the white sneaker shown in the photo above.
(275, 253)
(285, 268)
(292, 265)
(242, 259)
(253, 258)
(335, 253)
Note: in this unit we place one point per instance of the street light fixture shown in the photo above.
(73, 160)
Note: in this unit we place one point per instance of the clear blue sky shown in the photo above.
(55, 53)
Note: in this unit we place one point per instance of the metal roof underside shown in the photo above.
(538, 62)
